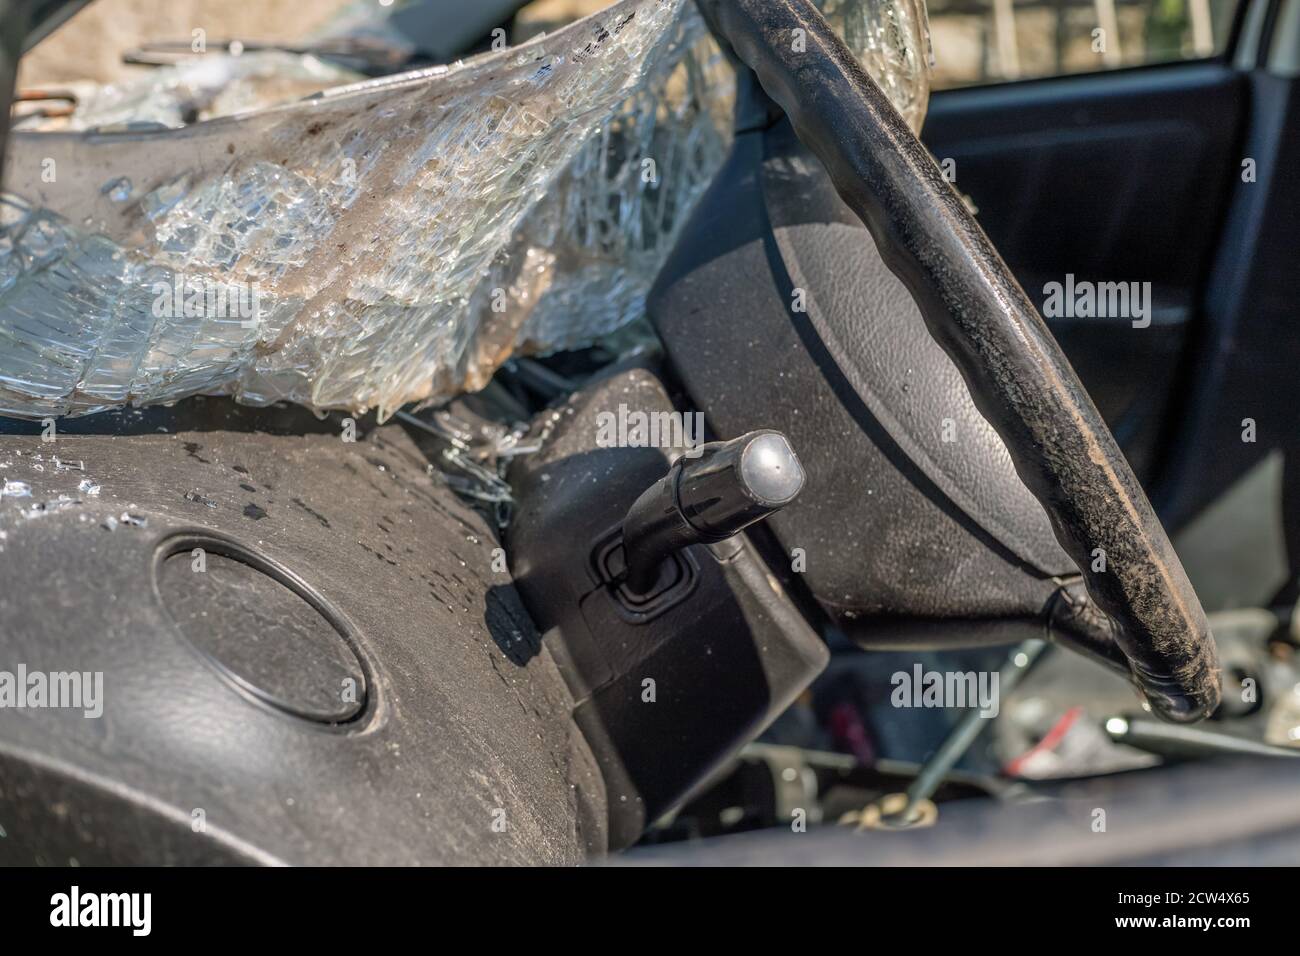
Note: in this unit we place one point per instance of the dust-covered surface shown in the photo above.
(466, 716)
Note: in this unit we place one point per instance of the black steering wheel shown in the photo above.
(1142, 610)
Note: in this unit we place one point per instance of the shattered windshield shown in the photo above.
(384, 242)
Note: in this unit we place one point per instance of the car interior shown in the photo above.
(347, 613)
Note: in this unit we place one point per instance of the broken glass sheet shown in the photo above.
(383, 243)
(204, 87)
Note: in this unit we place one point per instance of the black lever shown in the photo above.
(707, 496)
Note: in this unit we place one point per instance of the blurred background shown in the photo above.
(989, 41)
(975, 41)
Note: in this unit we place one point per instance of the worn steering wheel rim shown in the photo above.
(1141, 609)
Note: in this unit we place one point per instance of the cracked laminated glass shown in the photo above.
(380, 243)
